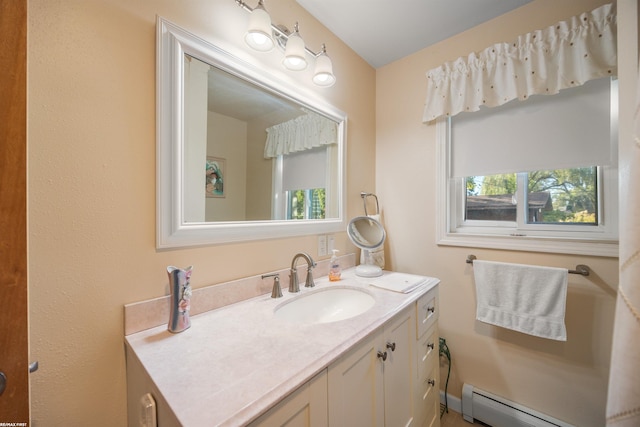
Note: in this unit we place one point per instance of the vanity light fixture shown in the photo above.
(323, 73)
(262, 35)
(294, 56)
(259, 35)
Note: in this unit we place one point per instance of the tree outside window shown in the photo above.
(567, 196)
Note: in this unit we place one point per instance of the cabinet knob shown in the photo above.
(432, 382)
(382, 355)
(431, 346)
(431, 309)
(391, 346)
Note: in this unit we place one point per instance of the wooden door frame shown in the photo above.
(14, 344)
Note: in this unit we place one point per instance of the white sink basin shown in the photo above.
(326, 305)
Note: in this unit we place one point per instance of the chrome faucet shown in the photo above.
(293, 277)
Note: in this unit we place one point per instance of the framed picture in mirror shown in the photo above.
(215, 173)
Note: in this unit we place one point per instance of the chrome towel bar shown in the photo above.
(581, 269)
(364, 200)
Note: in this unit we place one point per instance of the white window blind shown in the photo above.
(570, 129)
(304, 169)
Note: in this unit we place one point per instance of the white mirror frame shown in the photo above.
(172, 231)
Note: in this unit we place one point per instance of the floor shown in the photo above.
(454, 419)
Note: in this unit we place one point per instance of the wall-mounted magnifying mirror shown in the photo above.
(241, 155)
(367, 234)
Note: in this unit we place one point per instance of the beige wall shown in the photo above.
(228, 141)
(92, 205)
(566, 380)
(91, 147)
(259, 184)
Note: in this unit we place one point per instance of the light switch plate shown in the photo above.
(322, 245)
(331, 243)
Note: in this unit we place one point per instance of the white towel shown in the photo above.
(401, 282)
(524, 298)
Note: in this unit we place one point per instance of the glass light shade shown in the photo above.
(323, 73)
(259, 34)
(294, 54)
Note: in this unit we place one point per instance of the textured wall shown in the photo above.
(92, 175)
(566, 380)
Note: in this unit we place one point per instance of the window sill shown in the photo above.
(532, 244)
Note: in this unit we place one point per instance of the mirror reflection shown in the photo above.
(253, 155)
(241, 154)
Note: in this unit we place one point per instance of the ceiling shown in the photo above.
(382, 31)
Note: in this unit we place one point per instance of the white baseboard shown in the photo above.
(454, 403)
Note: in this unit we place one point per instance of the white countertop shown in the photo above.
(236, 362)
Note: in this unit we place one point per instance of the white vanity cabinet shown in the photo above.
(373, 383)
(305, 407)
(379, 368)
(390, 378)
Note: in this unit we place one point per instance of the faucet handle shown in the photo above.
(309, 283)
(276, 292)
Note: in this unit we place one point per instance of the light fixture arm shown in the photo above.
(281, 31)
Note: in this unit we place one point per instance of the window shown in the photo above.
(302, 183)
(538, 175)
(306, 204)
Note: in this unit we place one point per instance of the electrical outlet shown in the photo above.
(322, 245)
(331, 243)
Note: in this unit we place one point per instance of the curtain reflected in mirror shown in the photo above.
(252, 155)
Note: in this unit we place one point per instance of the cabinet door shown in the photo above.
(305, 407)
(356, 386)
(399, 370)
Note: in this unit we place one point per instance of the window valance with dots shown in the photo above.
(564, 55)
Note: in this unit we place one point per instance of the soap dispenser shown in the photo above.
(334, 267)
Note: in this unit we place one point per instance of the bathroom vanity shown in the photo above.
(246, 364)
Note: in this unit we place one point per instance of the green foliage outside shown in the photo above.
(573, 191)
(297, 205)
(318, 203)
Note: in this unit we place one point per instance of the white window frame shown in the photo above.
(453, 230)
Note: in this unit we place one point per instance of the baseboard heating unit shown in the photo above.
(499, 412)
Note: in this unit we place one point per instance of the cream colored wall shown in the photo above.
(259, 183)
(567, 380)
(91, 131)
(227, 139)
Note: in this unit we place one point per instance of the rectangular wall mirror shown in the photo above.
(241, 155)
